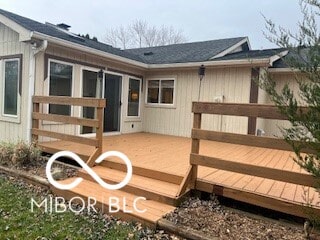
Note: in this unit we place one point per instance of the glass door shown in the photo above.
(112, 93)
(90, 88)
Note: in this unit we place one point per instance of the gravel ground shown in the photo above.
(213, 219)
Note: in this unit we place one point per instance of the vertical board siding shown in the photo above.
(272, 127)
(232, 83)
(10, 45)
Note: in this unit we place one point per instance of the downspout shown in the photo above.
(31, 89)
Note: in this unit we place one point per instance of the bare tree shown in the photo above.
(138, 31)
(118, 37)
(141, 34)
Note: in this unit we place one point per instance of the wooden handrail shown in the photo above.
(97, 123)
(66, 119)
(258, 171)
(240, 109)
(62, 100)
(242, 139)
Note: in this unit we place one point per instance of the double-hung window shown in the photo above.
(60, 84)
(11, 76)
(160, 92)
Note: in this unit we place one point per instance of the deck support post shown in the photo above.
(195, 147)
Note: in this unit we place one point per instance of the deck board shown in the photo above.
(170, 154)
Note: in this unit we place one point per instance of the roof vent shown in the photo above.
(64, 26)
(148, 53)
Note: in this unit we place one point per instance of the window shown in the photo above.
(60, 84)
(134, 97)
(11, 87)
(160, 92)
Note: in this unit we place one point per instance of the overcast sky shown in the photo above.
(199, 19)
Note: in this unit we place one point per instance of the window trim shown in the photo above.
(140, 97)
(46, 107)
(161, 105)
(3, 60)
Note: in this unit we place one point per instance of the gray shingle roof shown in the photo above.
(185, 52)
(54, 32)
(176, 53)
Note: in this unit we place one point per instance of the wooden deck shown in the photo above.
(170, 155)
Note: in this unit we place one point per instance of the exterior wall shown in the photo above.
(272, 127)
(13, 129)
(231, 83)
(84, 61)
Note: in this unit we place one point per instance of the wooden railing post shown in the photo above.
(99, 132)
(99, 137)
(35, 122)
(195, 147)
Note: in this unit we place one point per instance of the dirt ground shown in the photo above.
(215, 220)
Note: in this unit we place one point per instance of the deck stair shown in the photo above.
(159, 189)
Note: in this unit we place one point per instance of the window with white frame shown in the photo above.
(60, 84)
(11, 76)
(160, 92)
(134, 97)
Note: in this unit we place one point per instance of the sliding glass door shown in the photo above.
(112, 93)
(110, 89)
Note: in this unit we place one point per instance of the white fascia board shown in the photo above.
(232, 48)
(283, 70)
(24, 34)
(88, 49)
(278, 56)
(264, 62)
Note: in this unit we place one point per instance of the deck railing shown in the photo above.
(248, 110)
(97, 122)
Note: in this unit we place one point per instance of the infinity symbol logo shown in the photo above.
(78, 180)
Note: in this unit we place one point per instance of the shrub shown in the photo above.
(20, 153)
(6, 153)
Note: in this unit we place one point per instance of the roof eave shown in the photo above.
(232, 48)
(88, 49)
(265, 62)
(278, 56)
(24, 34)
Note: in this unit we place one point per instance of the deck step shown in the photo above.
(154, 210)
(141, 171)
(153, 189)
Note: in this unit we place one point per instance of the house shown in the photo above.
(147, 89)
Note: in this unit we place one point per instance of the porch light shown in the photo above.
(201, 71)
(100, 75)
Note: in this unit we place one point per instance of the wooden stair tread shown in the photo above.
(149, 184)
(154, 210)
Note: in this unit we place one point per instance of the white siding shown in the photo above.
(232, 83)
(272, 127)
(10, 45)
